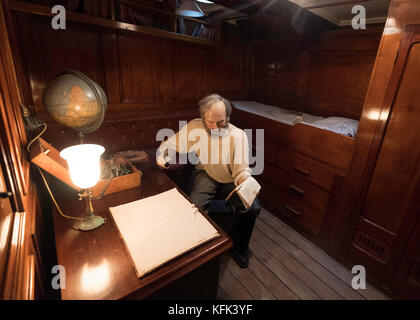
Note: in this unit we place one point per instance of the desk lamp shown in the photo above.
(84, 167)
(189, 8)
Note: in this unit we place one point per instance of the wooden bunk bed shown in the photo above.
(304, 167)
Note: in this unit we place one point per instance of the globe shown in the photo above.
(76, 101)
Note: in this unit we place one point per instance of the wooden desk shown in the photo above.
(98, 266)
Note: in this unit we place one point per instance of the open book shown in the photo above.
(247, 191)
(160, 228)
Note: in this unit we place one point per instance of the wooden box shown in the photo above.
(48, 158)
(128, 181)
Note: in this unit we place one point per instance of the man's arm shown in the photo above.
(167, 149)
(240, 167)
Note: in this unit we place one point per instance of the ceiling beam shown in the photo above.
(334, 4)
(279, 18)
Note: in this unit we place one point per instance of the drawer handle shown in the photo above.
(301, 171)
(297, 190)
(294, 211)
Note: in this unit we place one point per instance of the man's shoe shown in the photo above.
(242, 259)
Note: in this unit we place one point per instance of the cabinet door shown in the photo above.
(6, 217)
(406, 282)
(386, 210)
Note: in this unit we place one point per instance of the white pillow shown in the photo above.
(345, 126)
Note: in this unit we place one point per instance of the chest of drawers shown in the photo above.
(296, 188)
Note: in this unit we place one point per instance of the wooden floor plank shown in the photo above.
(231, 285)
(295, 267)
(269, 279)
(248, 280)
(318, 255)
(221, 294)
(317, 269)
(288, 278)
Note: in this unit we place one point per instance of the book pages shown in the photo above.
(160, 228)
(248, 191)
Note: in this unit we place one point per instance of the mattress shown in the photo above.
(271, 112)
(344, 126)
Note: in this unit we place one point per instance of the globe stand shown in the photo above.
(81, 136)
(91, 221)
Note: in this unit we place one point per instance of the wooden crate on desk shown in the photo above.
(119, 183)
(48, 158)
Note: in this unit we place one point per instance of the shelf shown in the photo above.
(45, 11)
(195, 20)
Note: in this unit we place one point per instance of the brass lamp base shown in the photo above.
(90, 223)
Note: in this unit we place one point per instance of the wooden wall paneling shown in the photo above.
(303, 73)
(112, 75)
(276, 76)
(188, 73)
(168, 65)
(32, 56)
(75, 48)
(138, 72)
(347, 39)
(229, 74)
(21, 67)
(54, 50)
(249, 69)
(140, 69)
(210, 72)
(327, 77)
(338, 83)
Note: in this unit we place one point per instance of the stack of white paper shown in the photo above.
(159, 228)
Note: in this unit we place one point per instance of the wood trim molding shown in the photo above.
(14, 285)
(10, 109)
(29, 278)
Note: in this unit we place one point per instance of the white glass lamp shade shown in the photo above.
(205, 1)
(189, 8)
(84, 164)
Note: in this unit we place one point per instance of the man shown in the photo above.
(222, 163)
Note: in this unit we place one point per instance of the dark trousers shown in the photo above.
(238, 222)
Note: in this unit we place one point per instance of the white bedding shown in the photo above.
(344, 126)
(275, 113)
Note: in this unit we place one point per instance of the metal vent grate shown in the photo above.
(371, 246)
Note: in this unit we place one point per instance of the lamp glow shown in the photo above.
(189, 8)
(84, 165)
(85, 170)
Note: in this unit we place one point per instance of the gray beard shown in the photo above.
(215, 132)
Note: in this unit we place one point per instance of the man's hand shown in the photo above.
(160, 161)
(242, 179)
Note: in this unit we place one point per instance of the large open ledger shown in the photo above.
(160, 228)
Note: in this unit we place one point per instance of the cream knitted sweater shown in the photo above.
(223, 156)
